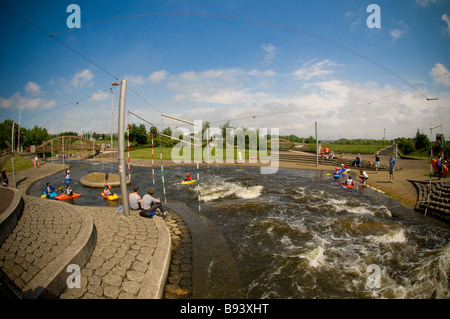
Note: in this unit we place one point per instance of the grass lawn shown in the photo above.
(146, 153)
(20, 163)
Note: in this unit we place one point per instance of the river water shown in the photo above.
(299, 233)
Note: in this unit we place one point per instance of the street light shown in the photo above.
(114, 84)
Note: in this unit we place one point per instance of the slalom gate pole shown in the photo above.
(153, 166)
(128, 149)
(198, 186)
(162, 173)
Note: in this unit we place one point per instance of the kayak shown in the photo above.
(67, 181)
(337, 175)
(110, 197)
(188, 182)
(65, 196)
(52, 195)
(348, 186)
(444, 167)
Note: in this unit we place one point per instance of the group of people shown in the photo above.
(66, 189)
(363, 174)
(148, 205)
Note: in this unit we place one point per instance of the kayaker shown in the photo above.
(67, 174)
(48, 189)
(68, 190)
(349, 181)
(188, 178)
(337, 171)
(107, 190)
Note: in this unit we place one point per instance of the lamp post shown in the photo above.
(114, 84)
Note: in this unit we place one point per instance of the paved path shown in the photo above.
(121, 256)
(121, 263)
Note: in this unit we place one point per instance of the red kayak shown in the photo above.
(348, 186)
(65, 196)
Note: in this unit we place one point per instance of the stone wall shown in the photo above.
(433, 199)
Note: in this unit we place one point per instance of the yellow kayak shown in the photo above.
(188, 182)
(110, 197)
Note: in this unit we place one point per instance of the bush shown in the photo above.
(406, 146)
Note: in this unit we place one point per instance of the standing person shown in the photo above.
(377, 161)
(4, 178)
(134, 199)
(391, 168)
(440, 168)
(35, 160)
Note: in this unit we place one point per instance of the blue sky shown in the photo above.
(268, 64)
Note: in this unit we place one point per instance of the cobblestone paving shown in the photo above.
(121, 257)
(45, 229)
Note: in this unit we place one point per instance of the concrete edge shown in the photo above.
(158, 270)
(51, 281)
(10, 217)
(85, 182)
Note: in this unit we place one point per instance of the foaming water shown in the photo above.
(213, 190)
(300, 234)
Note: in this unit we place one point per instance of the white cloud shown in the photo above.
(17, 101)
(270, 51)
(138, 80)
(100, 95)
(157, 76)
(446, 19)
(425, 3)
(33, 88)
(82, 78)
(400, 31)
(319, 69)
(438, 73)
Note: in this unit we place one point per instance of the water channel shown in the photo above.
(299, 233)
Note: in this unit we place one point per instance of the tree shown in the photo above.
(138, 134)
(36, 136)
(421, 141)
(406, 145)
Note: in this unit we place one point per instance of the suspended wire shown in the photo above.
(238, 18)
(53, 36)
(77, 102)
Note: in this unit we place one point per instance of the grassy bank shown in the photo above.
(20, 163)
(146, 153)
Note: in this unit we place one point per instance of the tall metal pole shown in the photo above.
(12, 155)
(317, 146)
(18, 136)
(121, 145)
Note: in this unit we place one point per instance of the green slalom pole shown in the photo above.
(198, 186)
